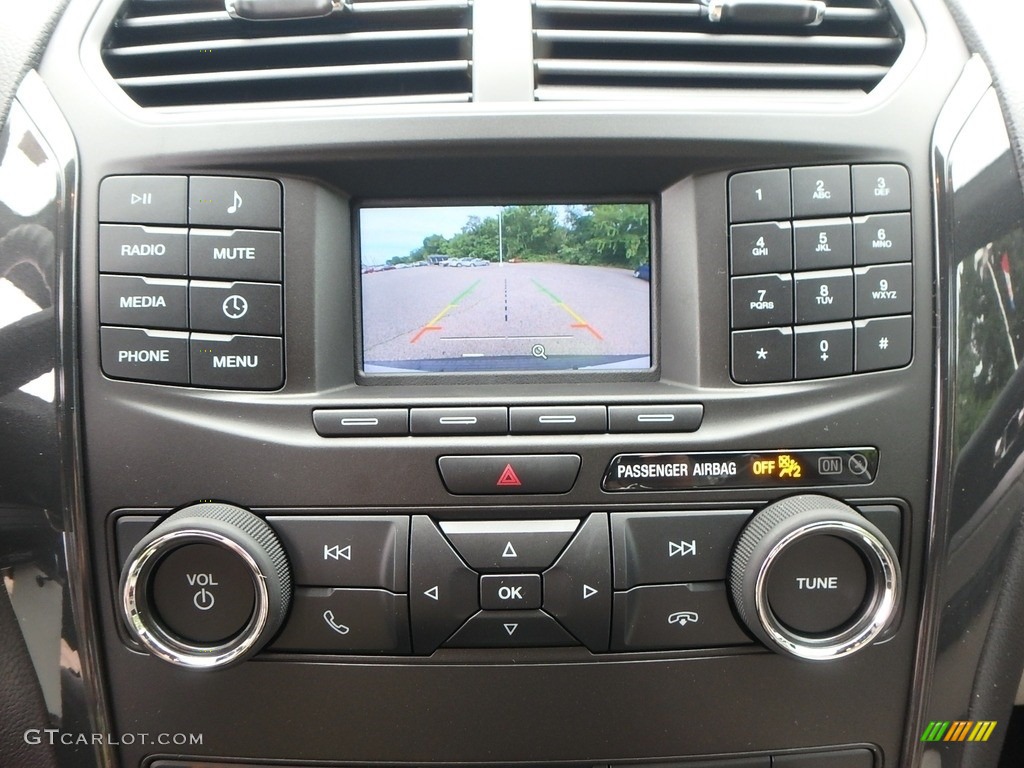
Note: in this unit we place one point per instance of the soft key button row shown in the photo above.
(821, 272)
(201, 303)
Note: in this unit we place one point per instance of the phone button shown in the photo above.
(675, 616)
(366, 621)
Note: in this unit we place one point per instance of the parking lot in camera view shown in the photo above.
(533, 316)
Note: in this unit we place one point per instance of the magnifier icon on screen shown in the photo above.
(539, 351)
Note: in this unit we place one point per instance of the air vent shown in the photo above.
(171, 53)
(592, 49)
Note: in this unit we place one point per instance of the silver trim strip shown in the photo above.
(509, 526)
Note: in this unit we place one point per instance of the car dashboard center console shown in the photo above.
(531, 425)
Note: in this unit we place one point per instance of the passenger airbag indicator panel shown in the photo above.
(741, 469)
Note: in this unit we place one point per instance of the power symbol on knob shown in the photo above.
(204, 599)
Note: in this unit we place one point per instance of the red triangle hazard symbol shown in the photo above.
(509, 477)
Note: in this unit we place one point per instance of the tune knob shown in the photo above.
(207, 587)
(814, 579)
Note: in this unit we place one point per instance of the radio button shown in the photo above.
(824, 350)
(821, 191)
(764, 247)
(346, 551)
(134, 353)
(673, 547)
(762, 356)
(240, 307)
(762, 300)
(824, 296)
(458, 421)
(655, 418)
(675, 616)
(512, 592)
(578, 588)
(324, 620)
(236, 362)
(443, 591)
(143, 250)
(511, 629)
(235, 254)
(884, 342)
(143, 301)
(509, 474)
(759, 196)
(510, 545)
(823, 244)
(558, 419)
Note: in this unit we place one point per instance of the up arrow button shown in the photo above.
(577, 588)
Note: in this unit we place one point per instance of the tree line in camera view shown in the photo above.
(597, 235)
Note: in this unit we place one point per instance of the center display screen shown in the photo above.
(513, 288)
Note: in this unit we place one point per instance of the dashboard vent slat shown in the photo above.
(179, 53)
(660, 48)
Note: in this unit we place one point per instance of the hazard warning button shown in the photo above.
(509, 474)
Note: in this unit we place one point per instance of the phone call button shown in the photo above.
(675, 616)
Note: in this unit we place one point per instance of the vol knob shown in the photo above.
(814, 579)
(208, 587)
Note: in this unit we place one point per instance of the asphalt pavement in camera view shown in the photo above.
(525, 309)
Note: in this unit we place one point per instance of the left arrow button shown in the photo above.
(443, 590)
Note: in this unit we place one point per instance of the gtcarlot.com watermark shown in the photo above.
(55, 736)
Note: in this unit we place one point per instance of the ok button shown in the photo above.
(512, 592)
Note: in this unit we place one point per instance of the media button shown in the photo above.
(236, 362)
(143, 250)
(509, 474)
(149, 302)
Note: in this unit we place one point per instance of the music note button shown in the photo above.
(236, 202)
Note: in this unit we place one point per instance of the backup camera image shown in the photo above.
(506, 288)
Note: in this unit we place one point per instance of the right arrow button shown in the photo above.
(578, 587)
